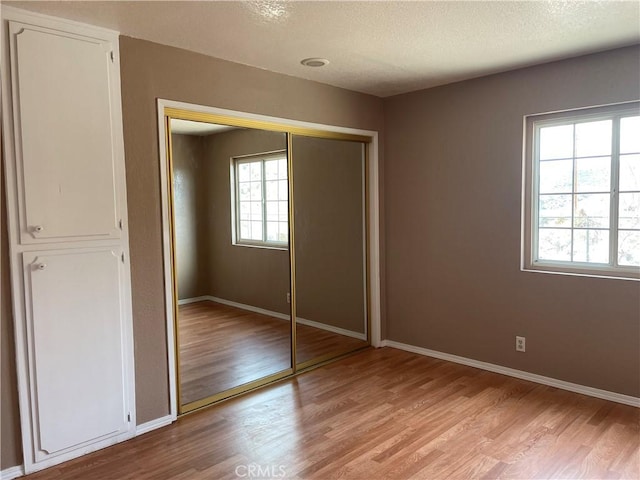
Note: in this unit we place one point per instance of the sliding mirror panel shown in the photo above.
(330, 247)
(231, 259)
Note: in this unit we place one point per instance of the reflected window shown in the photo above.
(261, 200)
(585, 205)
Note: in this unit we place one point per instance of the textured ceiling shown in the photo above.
(378, 47)
(187, 127)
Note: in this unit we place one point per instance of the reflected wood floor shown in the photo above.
(384, 414)
(222, 347)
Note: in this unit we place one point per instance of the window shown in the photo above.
(582, 206)
(260, 198)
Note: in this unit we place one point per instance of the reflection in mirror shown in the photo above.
(329, 192)
(231, 257)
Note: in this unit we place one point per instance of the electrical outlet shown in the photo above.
(520, 344)
(288, 297)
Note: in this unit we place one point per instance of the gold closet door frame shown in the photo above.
(172, 113)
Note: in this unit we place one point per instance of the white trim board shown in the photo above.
(154, 424)
(281, 316)
(12, 472)
(512, 372)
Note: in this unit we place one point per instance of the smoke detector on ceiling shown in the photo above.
(314, 62)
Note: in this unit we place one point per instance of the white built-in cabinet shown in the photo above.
(67, 219)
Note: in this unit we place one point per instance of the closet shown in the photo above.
(269, 259)
(68, 235)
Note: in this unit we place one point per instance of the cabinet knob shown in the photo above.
(41, 266)
(38, 228)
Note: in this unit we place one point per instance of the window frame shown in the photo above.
(235, 161)
(530, 189)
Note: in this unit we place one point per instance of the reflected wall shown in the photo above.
(233, 322)
(330, 232)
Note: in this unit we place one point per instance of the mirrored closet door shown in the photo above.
(330, 235)
(265, 220)
(231, 256)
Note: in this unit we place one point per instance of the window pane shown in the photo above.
(629, 247)
(591, 246)
(630, 172)
(256, 230)
(556, 176)
(629, 210)
(593, 174)
(272, 211)
(243, 172)
(272, 190)
(245, 210)
(271, 169)
(283, 234)
(593, 138)
(245, 230)
(283, 190)
(256, 171)
(630, 135)
(256, 191)
(554, 244)
(591, 210)
(282, 168)
(556, 142)
(256, 211)
(272, 231)
(245, 191)
(555, 211)
(283, 211)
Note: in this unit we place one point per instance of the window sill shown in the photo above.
(632, 273)
(284, 248)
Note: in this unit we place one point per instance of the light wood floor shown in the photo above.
(222, 347)
(382, 414)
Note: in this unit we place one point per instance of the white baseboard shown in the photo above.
(186, 301)
(251, 308)
(512, 372)
(281, 316)
(154, 424)
(12, 472)
(18, 471)
(331, 328)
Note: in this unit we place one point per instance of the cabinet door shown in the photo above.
(76, 344)
(64, 135)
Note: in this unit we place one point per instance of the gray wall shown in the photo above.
(329, 234)
(253, 276)
(189, 201)
(207, 261)
(453, 177)
(328, 198)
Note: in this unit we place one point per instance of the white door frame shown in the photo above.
(373, 220)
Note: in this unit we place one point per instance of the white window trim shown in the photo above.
(530, 182)
(235, 202)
